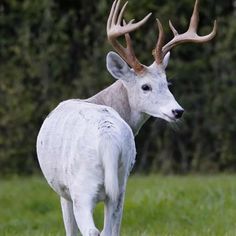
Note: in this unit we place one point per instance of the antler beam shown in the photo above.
(189, 36)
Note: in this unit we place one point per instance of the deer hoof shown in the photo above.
(94, 232)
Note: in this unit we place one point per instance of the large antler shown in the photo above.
(190, 36)
(114, 30)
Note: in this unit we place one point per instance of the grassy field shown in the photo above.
(181, 206)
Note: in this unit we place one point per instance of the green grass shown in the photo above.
(154, 205)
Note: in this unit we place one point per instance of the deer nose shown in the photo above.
(178, 113)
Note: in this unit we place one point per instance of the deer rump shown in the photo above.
(81, 143)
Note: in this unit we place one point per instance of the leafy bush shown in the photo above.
(55, 50)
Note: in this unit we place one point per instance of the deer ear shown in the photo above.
(166, 60)
(117, 67)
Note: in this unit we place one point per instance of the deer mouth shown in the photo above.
(170, 118)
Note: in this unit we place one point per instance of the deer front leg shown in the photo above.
(113, 215)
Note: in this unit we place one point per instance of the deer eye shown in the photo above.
(146, 87)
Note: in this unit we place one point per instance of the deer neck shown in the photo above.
(116, 96)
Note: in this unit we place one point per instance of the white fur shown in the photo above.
(159, 102)
(85, 152)
(110, 154)
(86, 148)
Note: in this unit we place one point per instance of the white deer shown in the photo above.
(86, 147)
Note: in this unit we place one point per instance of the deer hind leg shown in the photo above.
(83, 196)
(83, 210)
(113, 214)
(68, 217)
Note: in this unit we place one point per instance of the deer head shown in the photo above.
(147, 86)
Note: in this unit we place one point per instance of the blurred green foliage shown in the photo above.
(55, 50)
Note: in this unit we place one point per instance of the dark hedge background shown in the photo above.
(55, 50)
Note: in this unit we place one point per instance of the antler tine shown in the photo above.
(175, 32)
(114, 30)
(161, 40)
(121, 13)
(109, 20)
(194, 18)
(190, 35)
(114, 18)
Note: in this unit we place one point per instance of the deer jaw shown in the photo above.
(148, 92)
